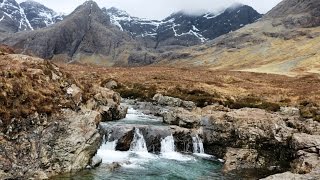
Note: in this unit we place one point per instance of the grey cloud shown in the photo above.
(158, 9)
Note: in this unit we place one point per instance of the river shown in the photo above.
(138, 163)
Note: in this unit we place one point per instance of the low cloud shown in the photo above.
(159, 9)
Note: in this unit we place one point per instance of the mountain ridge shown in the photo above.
(93, 38)
(285, 44)
(182, 29)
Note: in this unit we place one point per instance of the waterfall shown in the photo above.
(167, 144)
(107, 144)
(197, 144)
(138, 143)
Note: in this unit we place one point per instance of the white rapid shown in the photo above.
(138, 143)
(108, 152)
(197, 145)
(168, 150)
(167, 144)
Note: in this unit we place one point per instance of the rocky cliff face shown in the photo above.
(28, 15)
(48, 121)
(296, 13)
(40, 16)
(183, 29)
(13, 18)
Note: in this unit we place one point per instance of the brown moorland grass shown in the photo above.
(30, 85)
(203, 86)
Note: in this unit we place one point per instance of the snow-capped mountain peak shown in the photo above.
(184, 29)
(28, 15)
(39, 15)
(13, 16)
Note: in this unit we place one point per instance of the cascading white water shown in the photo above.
(167, 144)
(197, 144)
(109, 145)
(168, 150)
(138, 143)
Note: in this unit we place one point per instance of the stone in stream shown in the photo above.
(124, 142)
(95, 161)
(173, 102)
(182, 118)
(113, 166)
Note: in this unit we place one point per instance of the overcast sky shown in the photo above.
(159, 9)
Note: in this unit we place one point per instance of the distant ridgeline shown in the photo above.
(110, 36)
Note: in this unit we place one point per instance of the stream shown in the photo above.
(142, 161)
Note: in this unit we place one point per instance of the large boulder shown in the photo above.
(40, 147)
(241, 159)
(182, 118)
(173, 102)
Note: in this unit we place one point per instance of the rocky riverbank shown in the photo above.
(48, 120)
(252, 142)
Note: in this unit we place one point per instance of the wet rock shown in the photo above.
(182, 139)
(112, 113)
(240, 159)
(95, 161)
(123, 110)
(113, 166)
(182, 118)
(124, 142)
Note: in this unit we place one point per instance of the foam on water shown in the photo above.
(168, 150)
(138, 143)
(197, 144)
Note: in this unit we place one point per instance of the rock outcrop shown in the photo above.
(173, 102)
(182, 118)
(253, 139)
(296, 13)
(48, 124)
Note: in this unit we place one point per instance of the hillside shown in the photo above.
(285, 41)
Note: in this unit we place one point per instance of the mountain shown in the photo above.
(40, 16)
(112, 37)
(28, 15)
(285, 41)
(13, 18)
(85, 35)
(181, 28)
(296, 13)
